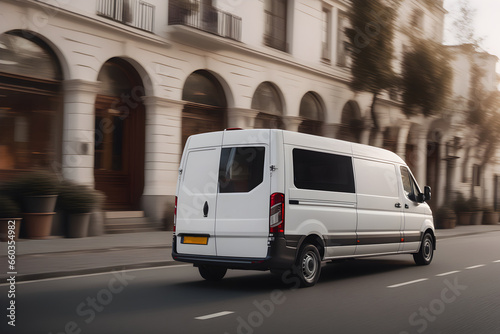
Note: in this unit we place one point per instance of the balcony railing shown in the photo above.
(135, 13)
(204, 17)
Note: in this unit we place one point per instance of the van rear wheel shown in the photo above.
(212, 273)
(426, 252)
(308, 266)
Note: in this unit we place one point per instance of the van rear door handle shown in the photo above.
(397, 205)
(205, 209)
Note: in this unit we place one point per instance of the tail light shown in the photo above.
(277, 213)
(175, 212)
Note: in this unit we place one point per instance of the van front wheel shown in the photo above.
(426, 252)
(212, 273)
(308, 266)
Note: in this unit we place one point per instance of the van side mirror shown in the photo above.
(427, 193)
(426, 196)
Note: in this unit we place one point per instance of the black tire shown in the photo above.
(426, 252)
(308, 266)
(212, 273)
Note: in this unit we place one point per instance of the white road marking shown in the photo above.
(477, 266)
(448, 273)
(214, 315)
(407, 283)
(497, 261)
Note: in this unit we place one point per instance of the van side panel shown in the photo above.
(320, 210)
(380, 216)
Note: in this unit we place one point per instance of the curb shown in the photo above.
(87, 271)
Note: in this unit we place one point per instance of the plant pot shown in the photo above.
(476, 218)
(491, 218)
(464, 218)
(39, 204)
(38, 225)
(4, 228)
(448, 223)
(78, 225)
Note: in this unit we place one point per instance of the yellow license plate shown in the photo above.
(194, 240)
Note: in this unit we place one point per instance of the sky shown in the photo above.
(487, 23)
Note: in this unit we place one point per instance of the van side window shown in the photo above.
(241, 169)
(376, 178)
(322, 171)
(409, 185)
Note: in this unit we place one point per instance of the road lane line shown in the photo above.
(497, 261)
(448, 273)
(407, 283)
(214, 315)
(477, 266)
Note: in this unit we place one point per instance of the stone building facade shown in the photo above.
(107, 91)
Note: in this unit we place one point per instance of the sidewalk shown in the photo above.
(56, 257)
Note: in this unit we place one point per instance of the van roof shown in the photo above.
(297, 139)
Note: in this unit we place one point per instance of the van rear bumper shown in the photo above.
(279, 256)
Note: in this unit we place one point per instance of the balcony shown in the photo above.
(204, 17)
(134, 13)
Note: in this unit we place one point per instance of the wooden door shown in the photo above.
(119, 153)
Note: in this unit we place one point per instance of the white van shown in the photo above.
(279, 200)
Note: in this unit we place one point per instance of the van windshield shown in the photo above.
(241, 169)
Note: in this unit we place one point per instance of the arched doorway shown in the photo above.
(30, 104)
(311, 110)
(206, 107)
(267, 100)
(120, 136)
(351, 124)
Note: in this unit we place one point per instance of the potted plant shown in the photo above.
(462, 209)
(477, 212)
(445, 218)
(490, 216)
(77, 201)
(10, 218)
(38, 191)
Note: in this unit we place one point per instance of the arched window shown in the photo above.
(267, 100)
(30, 103)
(311, 111)
(351, 125)
(205, 110)
(203, 88)
(27, 57)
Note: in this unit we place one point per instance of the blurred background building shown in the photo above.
(106, 92)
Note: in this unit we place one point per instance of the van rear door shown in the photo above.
(197, 195)
(242, 224)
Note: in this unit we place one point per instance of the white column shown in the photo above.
(163, 153)
(163, 145)
(402, 139)
(241, 118)
(421, 161)
(292, 123)
(78, 130)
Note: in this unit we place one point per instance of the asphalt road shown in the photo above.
(458, 293)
